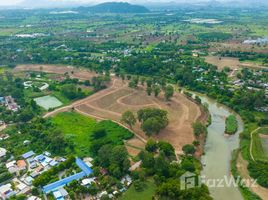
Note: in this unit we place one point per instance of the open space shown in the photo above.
(78, 129)
(232, 63)
(112, 102)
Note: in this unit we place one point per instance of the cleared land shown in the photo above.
(236, 46)
(73, 72)
(110, 103)
(232, 63)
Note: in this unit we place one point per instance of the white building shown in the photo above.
(3, 152)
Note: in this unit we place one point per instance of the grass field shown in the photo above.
(79, 128)
(259, 151)
(231, 125)
(146, 194)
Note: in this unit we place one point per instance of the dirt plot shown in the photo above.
(119, 98)
(74, 72)
(237, 46)
(232, 63)
(134, 146)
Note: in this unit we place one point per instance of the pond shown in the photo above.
(48, 102)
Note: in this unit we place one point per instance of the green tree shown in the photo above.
(149, 91)
(151, 145)
(169, 92)
(199, 128)
(156, 90)
(188, 149)
(151, 125)
(129, 118)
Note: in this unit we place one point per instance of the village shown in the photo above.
(30, 166)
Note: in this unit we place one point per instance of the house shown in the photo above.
(46, 153)
(28, 155)
(28, 180)
(33, 198)
(6, 191)
(21, 164)
(60, 194)
(40, 158)
(11, 164)
(87, 181)
(3, 152)
(34, 174)
(127, 180)
(53, 163)
(21, 186)
(88, 161)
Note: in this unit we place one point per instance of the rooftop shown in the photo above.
(28, 154)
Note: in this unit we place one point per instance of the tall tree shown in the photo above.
(169, 92)
(129, 118)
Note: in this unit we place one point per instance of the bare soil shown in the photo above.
(232, 63)
(73, 72)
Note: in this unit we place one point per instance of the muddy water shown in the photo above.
(218, 150)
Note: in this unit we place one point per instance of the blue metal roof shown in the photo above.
(83, 166)
(58, 184)
(53, 186)
(28, 154)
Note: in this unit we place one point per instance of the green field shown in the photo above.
(231, 125)
(146, 194)
(79, 129)
(259, 148)
(76, 128)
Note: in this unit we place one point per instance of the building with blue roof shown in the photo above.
(28, 154)
(83, 166)
(61, 183)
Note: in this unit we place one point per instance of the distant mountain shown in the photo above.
(114, 7)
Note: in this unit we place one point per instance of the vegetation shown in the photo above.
(129, 118)
(166, 174)
(231, 125)
(152, 120)
(199, 129)
(258, 170)
(87, 135)
(147, 192)
(4, 174)
(115, 159)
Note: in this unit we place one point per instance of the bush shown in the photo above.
(231, 125)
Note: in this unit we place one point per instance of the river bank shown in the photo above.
(218, 150)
